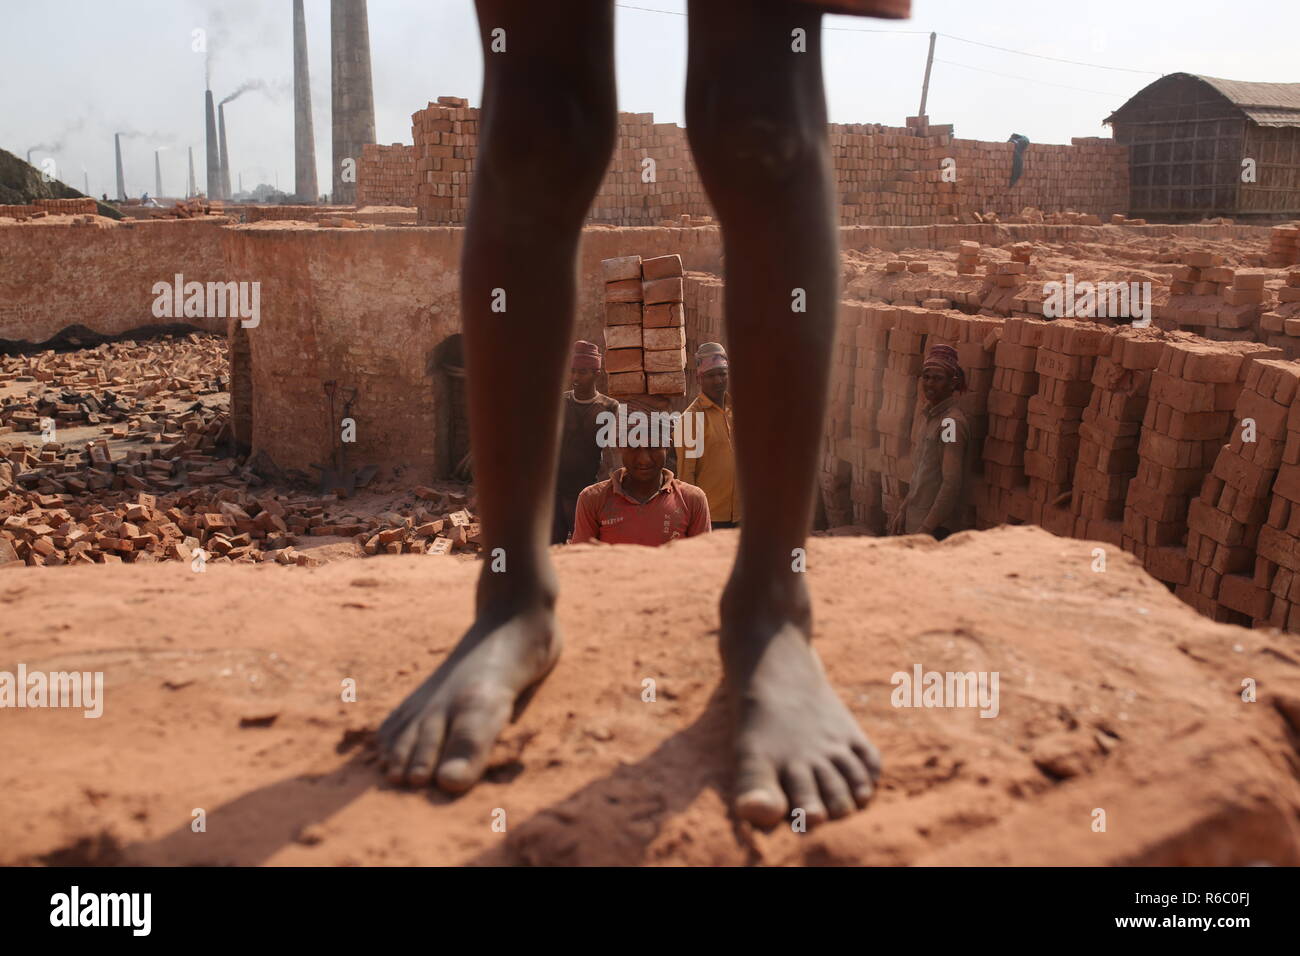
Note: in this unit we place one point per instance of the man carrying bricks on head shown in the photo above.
(641, 503)
(936, 498)
(756, 122)
(714, 470)
(582, 460)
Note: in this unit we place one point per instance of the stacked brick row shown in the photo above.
(1224, 522)
(1281, 325)
(1283, 246)
(1194, 389)
(386, 175)
(445, 135)
(904, 356)
(884, 175)
(651, 176)
(1277, 557)
(1213, 300)
(645, 335)
(80, 206)
(1064, 364)
(1015, 383)
(1109, 432)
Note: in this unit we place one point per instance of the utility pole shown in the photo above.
(925, 87)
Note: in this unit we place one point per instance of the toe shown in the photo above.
(801, 790)
(473, 730)
(855, 775)
(398, 749)
(869, 756)
(834, 790)
(424, 756)
(759, 797)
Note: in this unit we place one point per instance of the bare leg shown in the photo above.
(547, 133)
(756, 117)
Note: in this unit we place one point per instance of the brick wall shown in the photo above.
(368, 308)
(386, 175)
(84, 206)
(57, 275)
(884, 175)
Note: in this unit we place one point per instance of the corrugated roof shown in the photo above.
(1275, 96)
(1268, 104)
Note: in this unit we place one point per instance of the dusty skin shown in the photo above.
(223, 693)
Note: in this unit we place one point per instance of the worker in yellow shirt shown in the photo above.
(715, 469)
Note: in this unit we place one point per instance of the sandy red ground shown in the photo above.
(1113, 696)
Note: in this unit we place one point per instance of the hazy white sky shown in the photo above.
(84, 69)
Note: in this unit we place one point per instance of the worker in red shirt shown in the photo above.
(641, 503)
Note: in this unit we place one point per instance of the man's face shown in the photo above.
(644, 464)
(714, 384)
(936, 384)
(582, 380)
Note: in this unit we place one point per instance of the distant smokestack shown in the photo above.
(121, 182)
(304, 135)
(352, 96)
(214, 154)
(157, 175)
(85, 175)
(190, 194)
(225, 155)
(29, 156)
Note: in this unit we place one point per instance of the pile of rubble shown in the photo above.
(219, 525)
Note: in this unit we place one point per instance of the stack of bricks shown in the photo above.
(1277, 555)
(968, 257)
(904, 356)
(867, 488)
(651, 176)
(885, 176)
(1283, 247)
(386, 175)
(1109, 432)
(1224, 523)
(1064, 363)
(1194, 388)
(645, 335)
(446, 140)
(1015, 382)
(1004, 282)
(1206, 297)
(1282, 324)
(839, 449)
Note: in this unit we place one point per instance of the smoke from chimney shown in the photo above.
(214, 155)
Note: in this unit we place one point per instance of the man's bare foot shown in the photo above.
(796, 744)
(451, 721)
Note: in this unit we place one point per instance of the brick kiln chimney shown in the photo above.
(121, 184)
(214, 155)
(157, 175)
(352, 96)
(190, 194)
(304, 135)
(225, 155)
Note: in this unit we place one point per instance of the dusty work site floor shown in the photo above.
(1121, 734)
